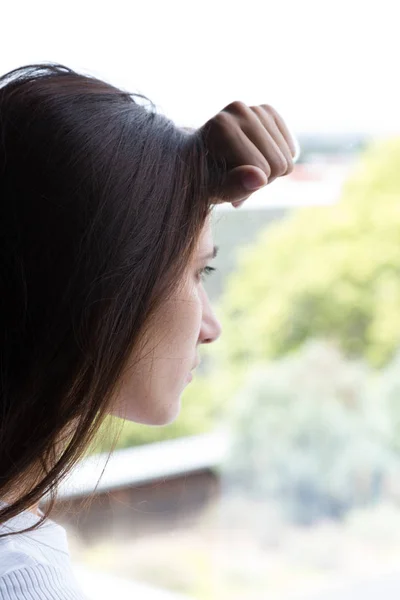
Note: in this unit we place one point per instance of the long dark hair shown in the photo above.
(102, 201)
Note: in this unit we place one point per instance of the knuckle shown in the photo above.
(269, 110)
(265, 117)
(222, 120)
(237, 106)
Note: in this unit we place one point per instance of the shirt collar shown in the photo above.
(49, 533)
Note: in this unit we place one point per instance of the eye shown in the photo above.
(202, 274)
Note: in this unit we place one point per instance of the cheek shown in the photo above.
(195, 308)
(185, 317)
(151, 390)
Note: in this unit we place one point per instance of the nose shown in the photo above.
(210, 326)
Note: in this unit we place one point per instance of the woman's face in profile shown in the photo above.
(150, 389)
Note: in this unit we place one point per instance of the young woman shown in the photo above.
(104, 239)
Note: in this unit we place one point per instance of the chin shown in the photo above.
(156, 414)
(166, 412)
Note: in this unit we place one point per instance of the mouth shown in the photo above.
(189, 375)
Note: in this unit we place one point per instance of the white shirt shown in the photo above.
(36, 564)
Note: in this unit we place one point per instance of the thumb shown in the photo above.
(242, 181)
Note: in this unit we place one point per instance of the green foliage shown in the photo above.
(331, 272)
(308, 433)
(386, 394)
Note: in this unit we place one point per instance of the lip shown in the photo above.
(189, 377)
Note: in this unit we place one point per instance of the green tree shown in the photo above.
(331, 272)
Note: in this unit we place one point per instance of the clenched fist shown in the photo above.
(252, 145)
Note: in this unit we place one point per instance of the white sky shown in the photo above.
(329, 65)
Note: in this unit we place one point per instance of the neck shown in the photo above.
(33, 509)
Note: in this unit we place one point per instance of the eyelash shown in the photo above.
(206, 271)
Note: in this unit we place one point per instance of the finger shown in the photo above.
(283, 128)
(270, 125)
(236, 185)
(258, 133)
(231, 142)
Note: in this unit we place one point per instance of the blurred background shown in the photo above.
(280, 479)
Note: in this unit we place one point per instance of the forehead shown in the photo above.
(206, 241)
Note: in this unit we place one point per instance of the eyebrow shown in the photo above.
(210, 255)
